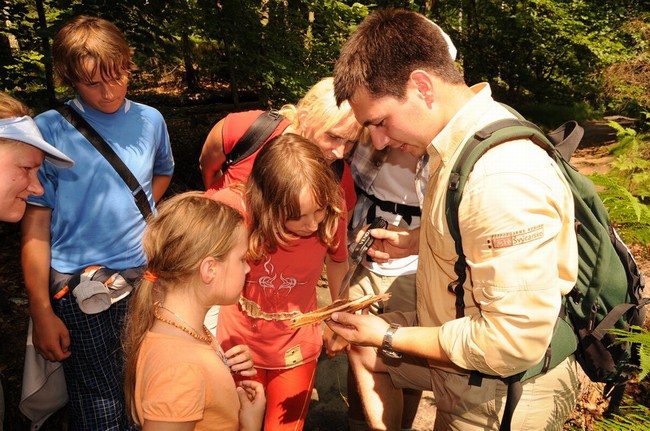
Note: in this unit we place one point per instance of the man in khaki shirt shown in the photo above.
(516, 222)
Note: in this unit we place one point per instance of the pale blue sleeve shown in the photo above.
(164, 162)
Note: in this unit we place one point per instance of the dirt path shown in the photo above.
(592, 155)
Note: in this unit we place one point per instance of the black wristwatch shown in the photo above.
(387, 344)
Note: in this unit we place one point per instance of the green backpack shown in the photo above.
(608, 292)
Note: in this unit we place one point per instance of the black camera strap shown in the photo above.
(109, 154)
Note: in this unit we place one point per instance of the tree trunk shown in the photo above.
(190, 72)
(234, 87)
(47, 54)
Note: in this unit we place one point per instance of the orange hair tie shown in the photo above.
(150, 276)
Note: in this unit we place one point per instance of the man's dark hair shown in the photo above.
(383, 51)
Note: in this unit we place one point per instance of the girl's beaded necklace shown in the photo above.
(208, 338)
(187, 329)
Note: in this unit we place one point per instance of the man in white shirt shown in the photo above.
(402, 84)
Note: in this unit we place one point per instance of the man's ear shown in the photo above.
(424, 84)
(209, 269)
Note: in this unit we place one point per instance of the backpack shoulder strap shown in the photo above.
(490, 136)
(566, 138)
(485, 139)
(79, 123)
(256, 135)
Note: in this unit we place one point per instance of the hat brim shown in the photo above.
(23, 129)
(52, 155)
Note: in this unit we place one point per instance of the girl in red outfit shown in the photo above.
(316, 117)
(293, 206)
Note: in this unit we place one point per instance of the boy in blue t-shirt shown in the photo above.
(88, 217)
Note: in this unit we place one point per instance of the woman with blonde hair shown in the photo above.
(317, 117)
(177, 374)
(294, 210)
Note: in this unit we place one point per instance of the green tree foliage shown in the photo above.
(625, 81)
(287, 46)
(541, 50)
(531, 51)
(21, 57)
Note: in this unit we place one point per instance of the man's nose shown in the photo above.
(379, 139)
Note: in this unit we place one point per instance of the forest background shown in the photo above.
(583, 57)
(553, 60)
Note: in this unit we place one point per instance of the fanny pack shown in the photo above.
(95, 288)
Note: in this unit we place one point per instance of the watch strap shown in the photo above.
(387, 343)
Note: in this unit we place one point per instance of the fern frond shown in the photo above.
(644, 355)
(641, 337)
(617, 198)
(633, 417)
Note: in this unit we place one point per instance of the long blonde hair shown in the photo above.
(283, 167)
(187, 229)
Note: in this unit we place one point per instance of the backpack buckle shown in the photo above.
(454, 181)
(273, 114)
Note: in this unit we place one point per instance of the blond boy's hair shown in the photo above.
(86, 44)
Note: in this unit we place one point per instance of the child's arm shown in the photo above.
(212, 155)
(159, 184)
(253, 403)
(335, 274)
(334, 344)
(50, 335)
